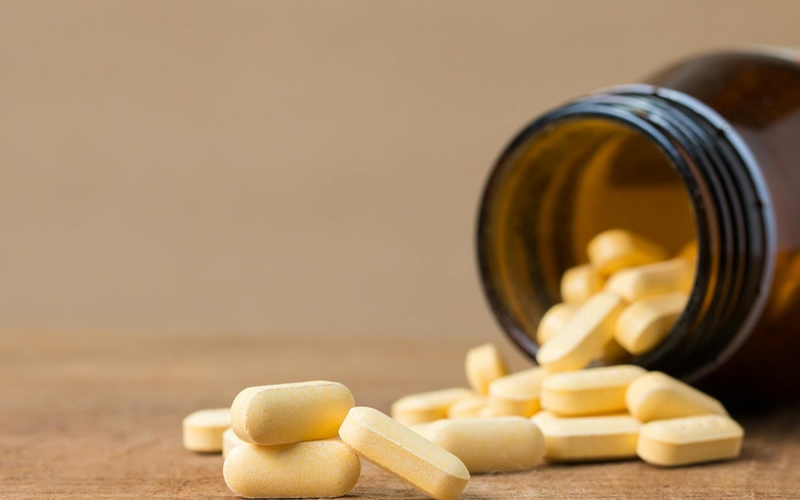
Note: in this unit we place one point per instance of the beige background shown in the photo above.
(290, 166)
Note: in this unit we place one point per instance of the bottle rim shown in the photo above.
(760, 204)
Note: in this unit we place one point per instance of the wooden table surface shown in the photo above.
(99, 416)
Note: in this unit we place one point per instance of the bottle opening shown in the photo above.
(636, 161)
(557, 188)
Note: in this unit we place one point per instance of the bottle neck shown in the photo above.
(732, 215)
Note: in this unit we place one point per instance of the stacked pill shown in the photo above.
(288, 442)
(304, 440)
(605, 413)
(625, 300)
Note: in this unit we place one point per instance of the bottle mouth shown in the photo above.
(683, 159)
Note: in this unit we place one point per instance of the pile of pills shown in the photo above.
(604, 413)
(306, 439)
(626, 299)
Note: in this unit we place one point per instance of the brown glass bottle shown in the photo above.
(708, 148)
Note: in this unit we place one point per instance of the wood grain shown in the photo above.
(99, 415)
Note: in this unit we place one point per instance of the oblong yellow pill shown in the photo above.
(229, 441)
(645, 323)
(593, 391)
(202, 430)
(656, 396)
(498, 444)
(579, 283)
(309, 469)
(427, 406)
(517, 394)
(554, 321)
(690, 440)
(615, 249)
(577, 439)
(287, 413)
(584, 335)
(643, 282)
(404, 453)
(470, 406)
(483, 365)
